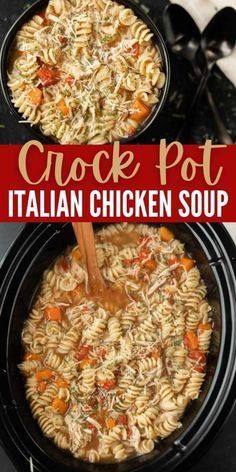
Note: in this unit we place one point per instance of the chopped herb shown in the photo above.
(177, 342)
(106, 39)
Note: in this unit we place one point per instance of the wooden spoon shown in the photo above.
(86, 241)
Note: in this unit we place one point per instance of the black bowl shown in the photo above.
(39, 5)
(34, 250)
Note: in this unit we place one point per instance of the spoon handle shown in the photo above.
(223, 135)
(86, 241)
(191, 112)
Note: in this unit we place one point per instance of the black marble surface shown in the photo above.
(182, 88)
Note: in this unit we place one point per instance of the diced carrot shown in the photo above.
(122, 420)
(36, 96)
(29, 356)
(140, 111)
(42, 386)
(204, 326)
(155, 354)
(59, 406)
(53, 313)
(48, 75)
(86, 362)
(110, 423)
(82, 353)
(61, 383)
(43, 375)
(64, 109)
(135, 50)
(172, 261)
(150, 265)
(108, 384)
(165, 234)
(187, 263)
(191, 340)
(198, 356)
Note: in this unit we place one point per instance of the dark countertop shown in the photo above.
(221, 456)
(181, 91)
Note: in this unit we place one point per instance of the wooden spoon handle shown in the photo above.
(85, 237)
(80, 240)
(96, 280)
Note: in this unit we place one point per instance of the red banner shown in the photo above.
(118, 182)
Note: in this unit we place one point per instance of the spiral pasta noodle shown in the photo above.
(107, 378)
(86, 72)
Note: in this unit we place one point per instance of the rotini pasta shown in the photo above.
(86, 71)
(108, 377)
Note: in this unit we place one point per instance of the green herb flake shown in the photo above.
(106, 39)
(177, 342)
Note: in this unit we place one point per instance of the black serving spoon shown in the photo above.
(182, 33)
(217, 41)
(184, 38)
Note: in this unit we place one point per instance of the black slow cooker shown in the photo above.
(39, 6)
(33, 251)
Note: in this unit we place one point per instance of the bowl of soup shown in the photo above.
(85, 72)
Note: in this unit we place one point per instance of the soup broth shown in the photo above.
(109, 377)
